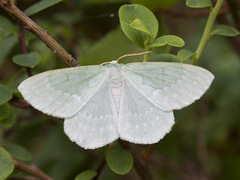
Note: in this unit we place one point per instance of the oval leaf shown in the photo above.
(4, 111)
(199, 3)
(86, 175)
(128, 14)
(18, 152)
(27, 60)
(9, 42)
(39, 6)
(139, 25)
(9, 121)
(120, 161)
(184, 54)
(171, 40)
(6, 164)
(5, 94)
(6, 26)
(225, 30)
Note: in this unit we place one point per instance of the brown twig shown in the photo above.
(147, 151)
(20, 103)
(38, 31)
(21, 38)
(24, 46)
(33, 170)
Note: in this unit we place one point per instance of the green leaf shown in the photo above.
(6, 46)
(139, 25)
(18, 152)
(5, 94)
(128, 14)
(4, 111)
(9, 121)
(199, 3)
(171, 40)
(184, 54)
(6, 27)
(39, 6)
(27, 60)
(86, 175)
(225, 30)
(120, 161)
(6, 164)
(165, 58)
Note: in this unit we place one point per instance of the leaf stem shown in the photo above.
(207, 31)
(24, 46)
(33, 170)
(147, 48)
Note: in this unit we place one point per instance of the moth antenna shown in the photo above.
(126, 55)
(135, 54)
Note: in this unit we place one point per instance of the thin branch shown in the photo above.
(33, 170)
(141, 166)
(147, 151)
(38, 31)
(21, 38)
(20, 103)
(24, 46)
(207, 31)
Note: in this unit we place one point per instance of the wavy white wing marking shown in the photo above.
(95, 125)
(140, 121)
(63, 92)
(168, 85)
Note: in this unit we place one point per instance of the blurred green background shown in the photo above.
(204, 142)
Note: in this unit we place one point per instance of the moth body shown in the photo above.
(115, 83)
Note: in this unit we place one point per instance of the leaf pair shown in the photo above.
(141, 26)
(222, 30)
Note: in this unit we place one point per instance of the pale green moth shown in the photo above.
(101, 103)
